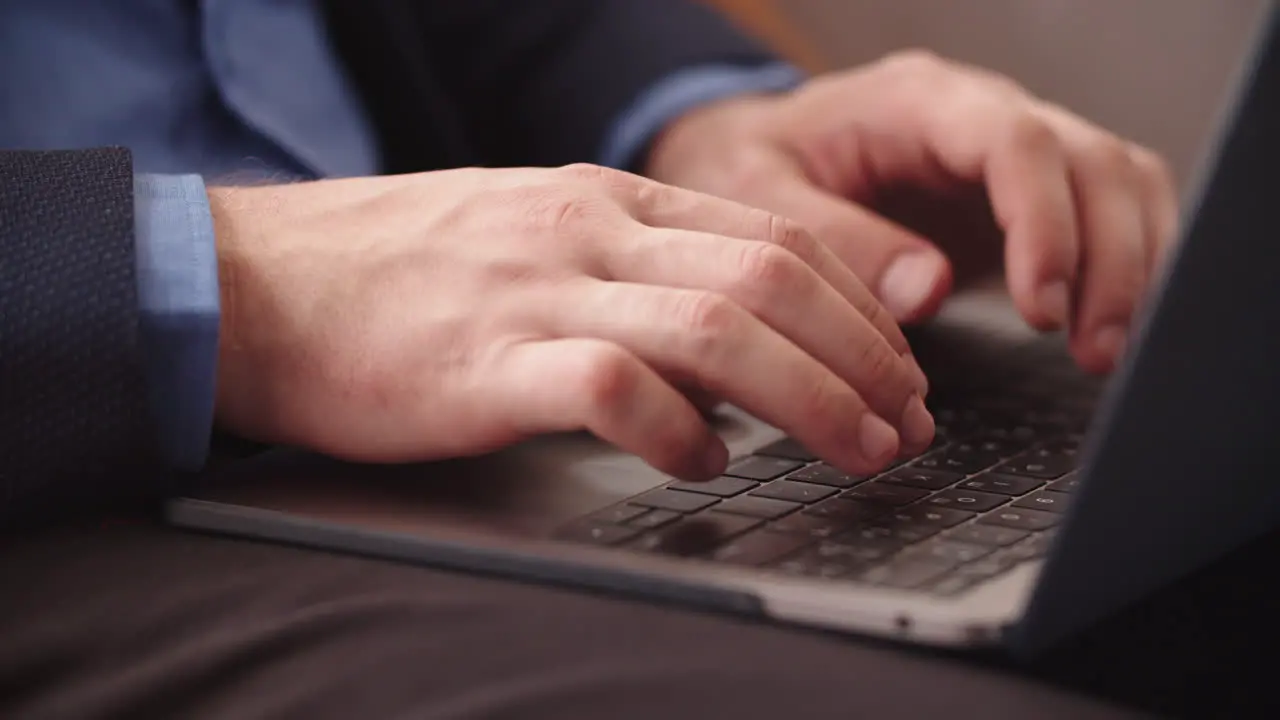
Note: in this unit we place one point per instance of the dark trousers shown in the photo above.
(139, 621)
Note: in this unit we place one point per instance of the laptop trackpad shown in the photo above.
(527, 490)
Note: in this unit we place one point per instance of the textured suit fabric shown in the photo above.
(72, 396)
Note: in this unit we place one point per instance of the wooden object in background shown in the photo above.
(766, 20)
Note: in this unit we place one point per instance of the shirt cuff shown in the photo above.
(179, 312)
(682, 91)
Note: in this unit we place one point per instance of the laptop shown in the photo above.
(1049, 500)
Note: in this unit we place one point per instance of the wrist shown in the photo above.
(230, 408)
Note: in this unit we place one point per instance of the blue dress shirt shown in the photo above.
(209, 91)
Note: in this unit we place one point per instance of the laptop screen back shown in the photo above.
(1183, 464)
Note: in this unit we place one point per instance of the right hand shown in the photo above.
(451, 313)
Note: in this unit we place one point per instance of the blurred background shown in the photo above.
(1152, 70)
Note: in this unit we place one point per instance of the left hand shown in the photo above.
(915, 170)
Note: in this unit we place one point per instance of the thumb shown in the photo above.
(907, 273)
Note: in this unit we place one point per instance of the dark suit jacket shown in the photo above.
(448, 83)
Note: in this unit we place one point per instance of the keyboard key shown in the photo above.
(970, 500)
(988, 567)
(597, 533)
(789, 449)
(762, 468)
(927, 515)
(1064, 446)
(695, 535)
(908, 533)
(958, 462)
(721, 486)
(987, 535)
(854, 552)
(850, 511)
(654, 519)
(907, 573)
(1011, 432)
(758, 507)
(1068, 484)
(1002, 484)
(1045, 500)
(953, 552)
(674, 500)
(1020, 519)
(953, 584)
(898, 462)
(991, 445)
(884, 493)
(759, 548)
(619, 514)
(813, 566)
(811, 526)
(1042, 541)
(821, 474)
(1041, 464)
(805, 493)
(921, 478)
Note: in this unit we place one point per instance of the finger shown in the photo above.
(594, 385)
(663, 206)
(703, 400)
(975, 132)
(793, 300)
(1160, 204)
(727, 351)
(911, 277)
(1110, 217)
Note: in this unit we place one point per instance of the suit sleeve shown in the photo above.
(537, 82)
(73, 412)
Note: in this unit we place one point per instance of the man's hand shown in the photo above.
(913, 169)
(451, 313)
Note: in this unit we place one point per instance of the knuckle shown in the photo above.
(770, 270)
(792, 237)
(825, 401)
(1034, 133)
(608, 377)
(650, 194)
(879, 317)
(916, 60)
(559, 210)
(707, 319)
(1152, 164)
(1109, 152)
(597, 174)
(877, 364)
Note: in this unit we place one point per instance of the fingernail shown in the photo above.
(917, 423)
(1055, 301)
(908, 282)
(716, 457)
(917, 374)
(878, 439)
(1111, 340)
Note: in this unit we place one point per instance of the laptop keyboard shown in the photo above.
(984, 498)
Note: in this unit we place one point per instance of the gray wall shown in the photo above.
(1153, 70)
